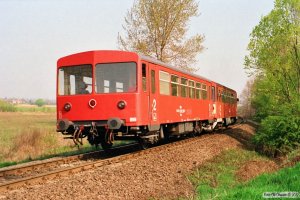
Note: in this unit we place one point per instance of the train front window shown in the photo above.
(75, 80)
(115, 77)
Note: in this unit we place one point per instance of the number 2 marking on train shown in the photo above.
(154, 115)
(154, 105)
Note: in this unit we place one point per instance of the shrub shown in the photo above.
(40, 102)
(278, 135)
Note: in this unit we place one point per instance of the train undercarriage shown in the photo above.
(104, 133)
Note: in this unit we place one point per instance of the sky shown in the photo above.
(34, 34)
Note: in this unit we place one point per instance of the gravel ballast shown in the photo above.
(154, 175)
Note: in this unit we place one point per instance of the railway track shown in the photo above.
(17, 177)
(38, 167)
(23, 170)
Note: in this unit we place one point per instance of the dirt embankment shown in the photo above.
(253, 168)
(154, 175)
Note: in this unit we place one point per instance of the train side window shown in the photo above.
(175, 85)
(192, 89)
(198, 90)
(204, 91)
(153, 81)
(144, 77)
(226, 97)
(184, 88)
(164, 83)
(223, 96)
(213, 94)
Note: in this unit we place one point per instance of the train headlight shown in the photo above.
(92, 103)
(67, 107)
(121, 104)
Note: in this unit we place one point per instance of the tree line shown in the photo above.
(274, 91)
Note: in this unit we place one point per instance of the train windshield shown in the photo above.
(115, 77)
(75, 80)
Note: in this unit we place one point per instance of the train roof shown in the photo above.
(146, 58)
(158, 62)
(153, 60)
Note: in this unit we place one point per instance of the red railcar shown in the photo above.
(107, 95)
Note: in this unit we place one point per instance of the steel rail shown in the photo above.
(17, 170)
(10, 185)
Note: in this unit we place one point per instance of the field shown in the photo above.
(34, 108)
(31, 135)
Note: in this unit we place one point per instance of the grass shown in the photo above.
(27, 136)
(59, 151)
(217, 179)
(8, 107)
(284, 180)
(43, 109)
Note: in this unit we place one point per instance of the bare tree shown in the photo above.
(246, 108)
(158, 28)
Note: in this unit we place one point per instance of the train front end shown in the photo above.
(97, 96)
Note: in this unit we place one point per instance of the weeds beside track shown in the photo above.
(66, 171)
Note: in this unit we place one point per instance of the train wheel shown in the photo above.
(143, 144)
(108, 140)
(193, 134)
(105, 145)
(198, 128)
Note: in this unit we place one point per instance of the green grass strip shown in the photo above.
(217, 178)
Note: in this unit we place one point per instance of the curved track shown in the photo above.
(40, 172)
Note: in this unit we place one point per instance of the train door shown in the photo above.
(144, 100)
(226, 106)
(153, 99)
(221, 112)
(213, 100)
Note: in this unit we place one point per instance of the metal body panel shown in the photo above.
(142, 107)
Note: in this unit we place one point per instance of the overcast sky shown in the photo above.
(34, 34)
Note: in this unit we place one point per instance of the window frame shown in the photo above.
(184, 87)
(204, 93)
(153, 84)
(75, 88)
(177, 84)
(191, 89)
(115, 92)
(163, 81)
(198, 86)
(144, 78)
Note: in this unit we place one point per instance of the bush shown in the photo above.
(40, 102)
(278, 135)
